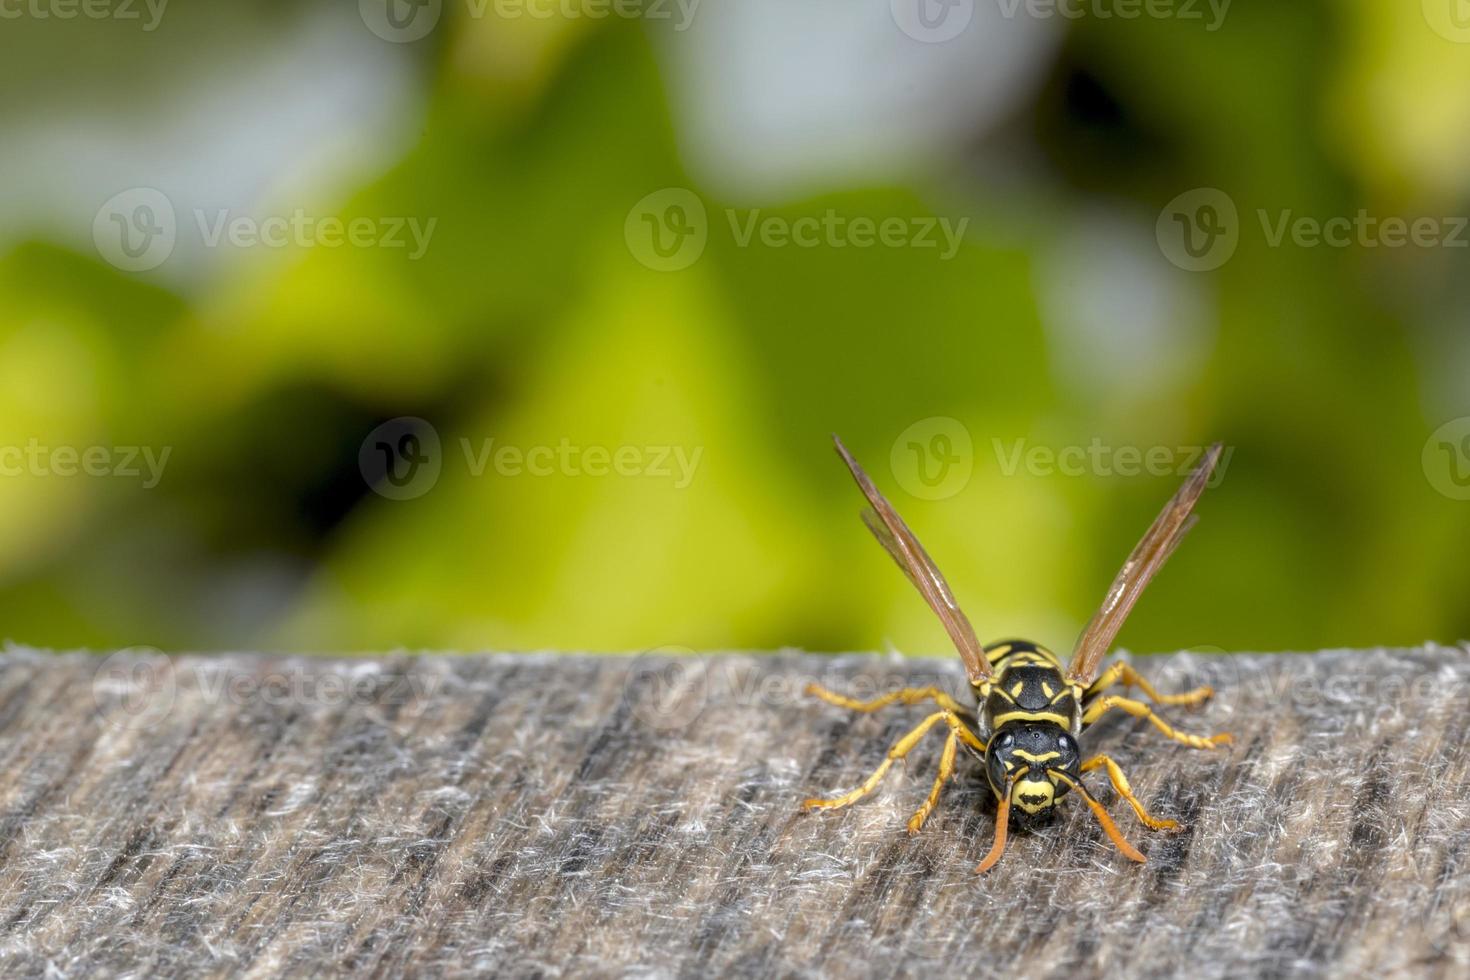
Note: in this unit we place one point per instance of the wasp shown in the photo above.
(1031, 711)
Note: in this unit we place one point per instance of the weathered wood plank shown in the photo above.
(550, 815)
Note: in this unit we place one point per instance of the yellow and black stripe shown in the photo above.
(1028, 687)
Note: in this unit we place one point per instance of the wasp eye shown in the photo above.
(1067, 743)
(1006, 740)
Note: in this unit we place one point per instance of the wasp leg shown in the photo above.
(1123, 673)
(1120, 784)
(900, 749)
(1140, 710)
(958, 732)
(1105, 821)
(946, 771)
(907, 695)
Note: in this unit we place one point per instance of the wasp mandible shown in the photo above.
(1031, 711)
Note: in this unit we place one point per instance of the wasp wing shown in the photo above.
(896, 538)
(1163, 536)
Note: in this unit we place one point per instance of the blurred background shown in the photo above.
(523, 324)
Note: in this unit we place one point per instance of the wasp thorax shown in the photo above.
(1025, 758)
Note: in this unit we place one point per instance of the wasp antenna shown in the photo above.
(1002, 822)
(1109, 828)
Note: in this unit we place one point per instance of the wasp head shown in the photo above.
(1022, 757)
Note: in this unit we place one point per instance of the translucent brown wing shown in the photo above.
(1163, 536)
(896, 538)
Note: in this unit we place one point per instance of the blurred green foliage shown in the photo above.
(530, 321)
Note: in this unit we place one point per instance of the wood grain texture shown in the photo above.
(572, 815)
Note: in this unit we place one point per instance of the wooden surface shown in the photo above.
(560, 815)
